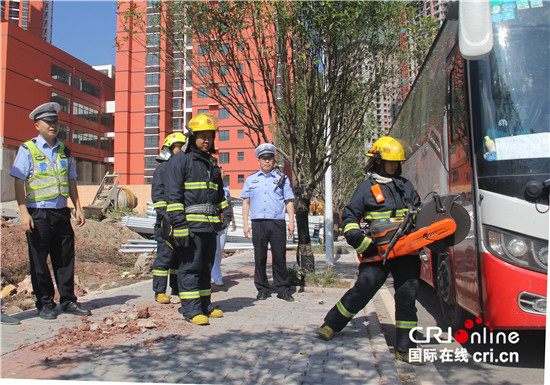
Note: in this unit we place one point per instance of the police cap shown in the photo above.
(265, 149)
(46, 111)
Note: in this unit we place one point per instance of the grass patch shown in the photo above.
(325, 278)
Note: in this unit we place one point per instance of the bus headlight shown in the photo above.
(527, 252)
(517, 248)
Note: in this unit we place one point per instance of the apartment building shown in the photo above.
(33, 16)
(152, 102)
(33, 72)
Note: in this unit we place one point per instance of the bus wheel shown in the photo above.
(453, 314)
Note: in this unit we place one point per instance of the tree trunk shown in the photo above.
(304, 254)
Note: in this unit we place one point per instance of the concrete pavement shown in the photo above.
(256, 342)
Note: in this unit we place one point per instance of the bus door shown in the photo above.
(463, 260)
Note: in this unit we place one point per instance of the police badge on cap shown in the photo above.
(46, 111)
(265, 149)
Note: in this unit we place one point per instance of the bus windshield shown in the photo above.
(510, 101)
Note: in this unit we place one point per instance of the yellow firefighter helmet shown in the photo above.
(387, 148)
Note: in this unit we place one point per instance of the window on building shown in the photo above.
(153, 39)
(150, 162)
(202, 111)
(240, 90)
(224, 135)
(224, 157)
(224, 48)
(84, 86)
(203, 50)
(152, 59)
(153, 19)
(64, 132)
(223, 113)
(85, 112)
(240, 134)
(178, 64)
(226, 180)
(152, 120)
(177, 84)
(240, 179)
(105, 144)
(152, 100)
(63, 101)
(224, 91)
(224, 70)
(152, 79)
(151, 141)
(61, 75)
(240, 67)
(203, 71)
(177, 124)
(85, 139)
(177, 103)
(204, 92)
(107, 119)
(240, 111)
(240, 156)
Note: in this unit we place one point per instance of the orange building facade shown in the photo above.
(33, 72)
(151, 104)
(34, 16)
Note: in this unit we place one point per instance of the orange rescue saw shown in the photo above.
(435, 226)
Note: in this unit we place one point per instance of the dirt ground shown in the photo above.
(98, 262)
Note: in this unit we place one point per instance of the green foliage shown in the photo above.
(324, 278)
(309, 71)
(119, 213)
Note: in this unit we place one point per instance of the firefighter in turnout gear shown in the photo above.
(196, 210)
(384, 194)
(166, 262)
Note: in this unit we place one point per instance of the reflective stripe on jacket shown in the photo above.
(47, 180)
(194, 178)
(363, 206)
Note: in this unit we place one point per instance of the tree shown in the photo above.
(315, 67)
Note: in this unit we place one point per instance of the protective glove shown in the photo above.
(176, 236)
(180, 237)
(371, 251)
(161, 212)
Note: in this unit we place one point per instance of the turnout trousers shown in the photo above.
(195, 264)
(372, 275)
(165, 265)
(272, 232)
(52, 234)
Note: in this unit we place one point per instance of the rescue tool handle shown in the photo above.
(404, 226)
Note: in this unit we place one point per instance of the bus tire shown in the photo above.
(453, 314)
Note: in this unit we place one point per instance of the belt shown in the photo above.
(204, 208)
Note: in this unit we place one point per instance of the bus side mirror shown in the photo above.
(475, 29)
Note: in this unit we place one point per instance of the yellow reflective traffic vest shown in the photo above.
(48, 180)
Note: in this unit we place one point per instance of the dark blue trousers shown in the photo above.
(52, 235)
(195, 264)
(270, 232)
(372, 275)
(165, 265)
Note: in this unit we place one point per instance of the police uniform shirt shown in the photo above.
(23, 166)
(267, 200)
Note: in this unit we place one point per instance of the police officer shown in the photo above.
(195, 199)
(266, 194)
(44, 178)
(384, 194)
(166, 262)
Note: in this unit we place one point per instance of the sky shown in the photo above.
(85, 30)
